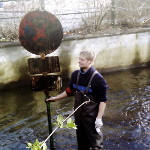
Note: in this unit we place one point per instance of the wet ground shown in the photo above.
(23, 116)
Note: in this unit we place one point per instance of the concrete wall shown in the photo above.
(113, 53)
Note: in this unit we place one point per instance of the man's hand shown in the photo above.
(60, 96)
(52, 99)
(98, 124)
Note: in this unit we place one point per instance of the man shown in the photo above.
(87, 84)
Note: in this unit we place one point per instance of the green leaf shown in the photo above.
(71, 124)
(60, 118)
(44, 146)
(37, 145)
(29, 145)
(59, 122)
(69, 120)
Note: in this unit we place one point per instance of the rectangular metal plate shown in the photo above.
(48, 82)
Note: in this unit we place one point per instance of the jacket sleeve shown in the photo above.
(70, 90)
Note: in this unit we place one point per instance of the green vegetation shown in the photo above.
(60, 124)
(37, 145)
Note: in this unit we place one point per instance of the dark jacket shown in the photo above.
(98, 87)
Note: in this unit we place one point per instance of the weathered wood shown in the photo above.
(43, 66)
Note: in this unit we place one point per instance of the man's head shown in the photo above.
(86, 59)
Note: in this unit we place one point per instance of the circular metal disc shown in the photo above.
(40, 32)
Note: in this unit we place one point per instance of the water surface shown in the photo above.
(23, 114)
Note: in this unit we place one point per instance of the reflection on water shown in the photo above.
(127, 117)
(126, 122)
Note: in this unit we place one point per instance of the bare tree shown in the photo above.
(59, 5)
(13, 15)
(94, 12)
(130, 13)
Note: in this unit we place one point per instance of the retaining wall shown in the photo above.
(115, 52)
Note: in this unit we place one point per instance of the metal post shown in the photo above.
(113, 12)
(49, 120)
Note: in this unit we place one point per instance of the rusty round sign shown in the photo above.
(40, 32)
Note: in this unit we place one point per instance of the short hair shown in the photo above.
(89, 55)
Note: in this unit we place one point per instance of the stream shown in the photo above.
(23, 116)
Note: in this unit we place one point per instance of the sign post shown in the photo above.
(40, 32)
(49, 119)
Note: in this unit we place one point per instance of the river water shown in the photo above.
(23, 116)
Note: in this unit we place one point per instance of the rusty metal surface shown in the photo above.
(48, 82)
(40, 32)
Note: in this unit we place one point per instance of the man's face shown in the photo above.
(83, 62)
